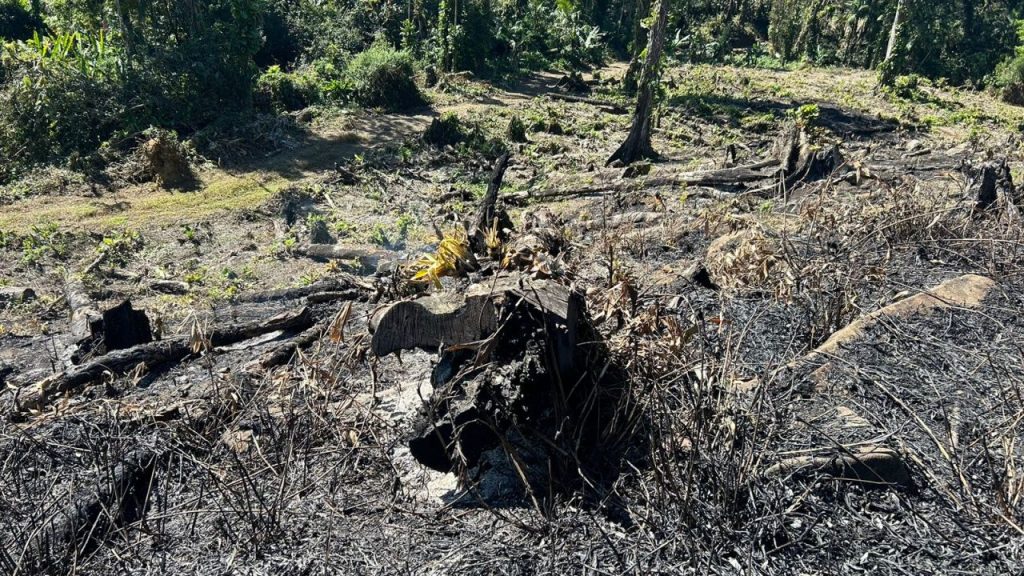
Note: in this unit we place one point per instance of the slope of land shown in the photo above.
(821, 372)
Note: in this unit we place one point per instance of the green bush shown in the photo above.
(61, 97)
(383, 77)
(1009, 80)
(281, 91)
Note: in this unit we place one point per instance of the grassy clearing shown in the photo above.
(142, 207)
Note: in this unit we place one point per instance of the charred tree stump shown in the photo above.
(488, 213)
(638, 143)
(514, 387)
(991, 183)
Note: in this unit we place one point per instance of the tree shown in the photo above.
(638, 142)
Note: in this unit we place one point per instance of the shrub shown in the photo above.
(281, 91)
(61, 97)
(1009, 80)
(383, 77)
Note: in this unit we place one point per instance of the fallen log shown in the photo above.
(367, 259)
(118, 500)
(343, 283)
(169, 287)
(83, 310)
(868, 465)
(967, 291)
(630, 218)
(35, 397)
(284, 352)
(608, 106)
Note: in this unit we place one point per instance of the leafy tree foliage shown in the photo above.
(77, 75)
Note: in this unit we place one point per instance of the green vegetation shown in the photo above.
(383, 77)
(79, 81)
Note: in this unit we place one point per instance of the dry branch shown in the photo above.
(871, 464)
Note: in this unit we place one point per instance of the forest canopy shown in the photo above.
(76, 75)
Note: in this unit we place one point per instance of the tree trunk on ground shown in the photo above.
(638, 143)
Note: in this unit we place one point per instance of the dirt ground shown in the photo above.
(770, 341)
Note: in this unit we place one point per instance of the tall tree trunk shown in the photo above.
(638, 143)
(890, 49)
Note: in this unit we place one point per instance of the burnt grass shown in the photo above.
(218, 468)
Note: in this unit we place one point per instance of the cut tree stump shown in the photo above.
(115, 328)
(448, 320)
(993, 182)
(16, 294)
(432, 322)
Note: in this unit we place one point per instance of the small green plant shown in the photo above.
(119, 247)
(758, 122)
(379, 235)
(285, 245)
(404, 222)
(907, 87)
(310, 277)
(190, 234)
(43, 240)
(807, 114)
(343, 227)
(197, 276)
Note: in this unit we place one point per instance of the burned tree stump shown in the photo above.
(991, 182)
(116, 328)
(489, 214)
(16, 294)
(512, 384)
(799, 161)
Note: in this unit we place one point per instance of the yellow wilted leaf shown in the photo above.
(451, 257)
(337, 330)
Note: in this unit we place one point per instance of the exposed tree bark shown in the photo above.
(638, 142)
